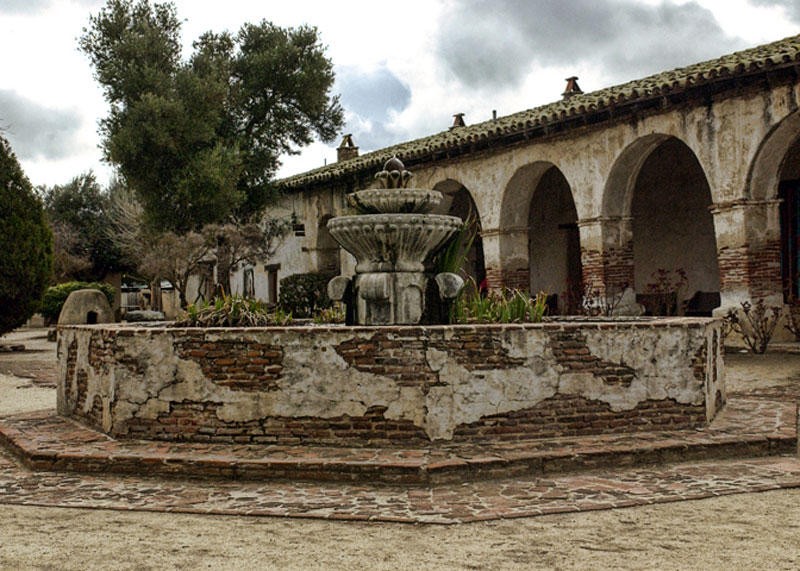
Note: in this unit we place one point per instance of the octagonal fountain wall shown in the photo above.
(394, 385)
(390, 380)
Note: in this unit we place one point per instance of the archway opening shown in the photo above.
(554, 250)
(789, 193)
(457, 201)
(674, 244)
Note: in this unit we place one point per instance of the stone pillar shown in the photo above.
(748, 251)
(505, 254)
(607, 253)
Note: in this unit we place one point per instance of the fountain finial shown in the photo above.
(394, 175)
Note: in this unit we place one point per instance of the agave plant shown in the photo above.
(506, 306)
(232, 311)
(453, 255)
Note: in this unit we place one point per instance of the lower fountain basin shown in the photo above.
(392, 242)
(397, 385)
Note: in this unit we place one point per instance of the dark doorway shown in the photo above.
(554, 246)
(789, 193)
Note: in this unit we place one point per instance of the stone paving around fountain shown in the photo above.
(760, 419)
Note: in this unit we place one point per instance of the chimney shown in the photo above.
(347, 149)
(458, 121)
(572, 88)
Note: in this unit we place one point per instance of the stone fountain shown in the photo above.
(391, 381)
(391, 238)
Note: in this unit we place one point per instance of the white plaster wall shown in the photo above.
(727, 137)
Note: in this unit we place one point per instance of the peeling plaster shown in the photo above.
(317, 382)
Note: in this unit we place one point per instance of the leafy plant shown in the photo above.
(506, 306)
(232, 311)
(303, 294)
(755, 323)
(333, 314)
(793, 320)
(79, 213)
(201, 138)
(55, 296)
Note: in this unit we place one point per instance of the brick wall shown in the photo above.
(608, 271)
(573, 415)
(389, 386)
(756, 270)
(505, 278)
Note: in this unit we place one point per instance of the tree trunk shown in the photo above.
(224, 269)
(156, 303)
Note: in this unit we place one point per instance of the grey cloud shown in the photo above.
(22, 6)
(792, 7)
(492, 43)
(35, 130)
(36, 6)
(371, 96)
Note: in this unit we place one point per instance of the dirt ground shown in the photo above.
(753, 531)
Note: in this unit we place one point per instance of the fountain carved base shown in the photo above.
(390, 298)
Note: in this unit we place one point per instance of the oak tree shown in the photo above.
(199, 140)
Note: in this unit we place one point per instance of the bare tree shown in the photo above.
(175, 259)
(67, 260)
(235, 244)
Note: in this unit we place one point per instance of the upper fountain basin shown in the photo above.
(400, 200)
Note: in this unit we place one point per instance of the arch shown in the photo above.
(554, 251)
(618, 191)
(539, 243)
(775, 174)
(458, 201)
(768, 164)
(518, 193)
(667, 195)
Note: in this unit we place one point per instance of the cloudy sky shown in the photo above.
(403, 69)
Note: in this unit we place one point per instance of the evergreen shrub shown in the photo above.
(26, 244)
(304, 294)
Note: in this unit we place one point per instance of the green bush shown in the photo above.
(232, 311)
(26, 244)
(55, 296)
(304, 294)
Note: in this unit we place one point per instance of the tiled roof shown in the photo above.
(780, 54)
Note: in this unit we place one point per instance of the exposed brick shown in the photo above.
(240, 366)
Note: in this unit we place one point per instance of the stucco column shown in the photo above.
(607, 253)
(749, 251)
(505, 253)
